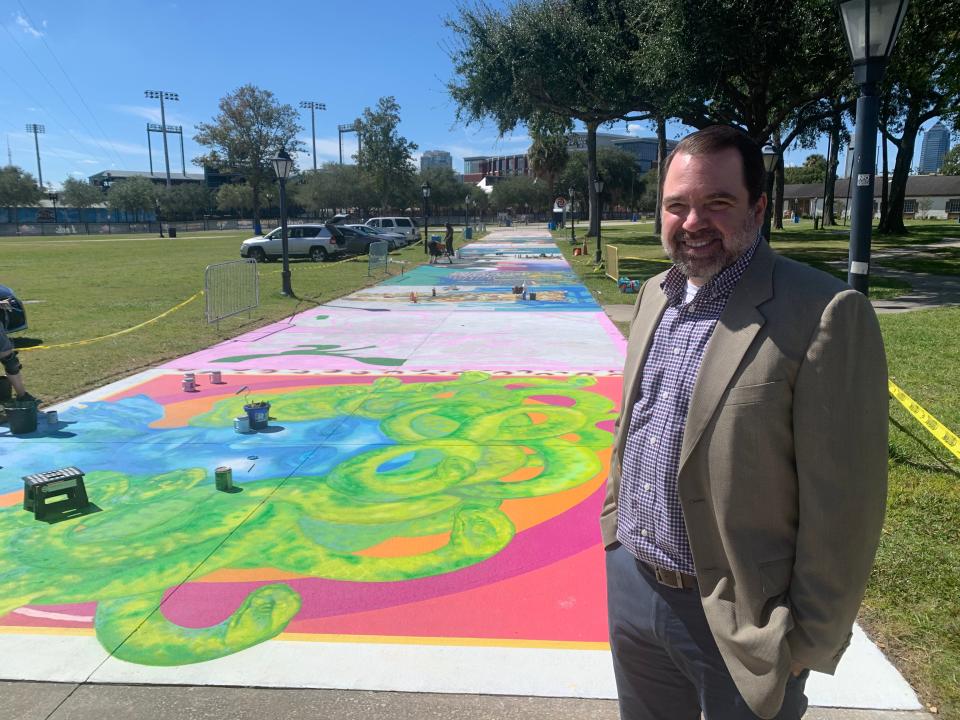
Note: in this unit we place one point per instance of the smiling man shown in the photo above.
(748, 482)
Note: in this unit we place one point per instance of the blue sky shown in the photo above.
(80, 69)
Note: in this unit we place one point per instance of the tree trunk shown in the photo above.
(661, 161)
(591, 175)
(828, 194)
(884, 183)
(893, 222)
(779, 179)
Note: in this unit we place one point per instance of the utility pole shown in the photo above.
(312, 105)
(37, 129)
(163, 95)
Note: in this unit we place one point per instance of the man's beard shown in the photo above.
(725, 255)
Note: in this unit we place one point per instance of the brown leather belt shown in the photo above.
(671, 578)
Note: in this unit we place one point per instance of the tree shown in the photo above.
(547, 59)
(521, 193)
(135, 196)
(447, 191)
(548, 156)
(186, 201)
(951, 162)
(238, 198)
(922, 82)
(81, 194)
(621, 180)
(385, 156)
(18, 189)
(332, 187)
(813, 170)
(250, 128)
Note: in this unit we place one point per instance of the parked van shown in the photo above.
(403, 225)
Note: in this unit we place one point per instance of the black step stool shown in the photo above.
(65, 481)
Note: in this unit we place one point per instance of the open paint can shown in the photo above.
(241, 424)
(51, 417)
(215, 377)
(224, 478)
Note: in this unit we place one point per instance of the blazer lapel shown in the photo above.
(735, 330)
(651, 308)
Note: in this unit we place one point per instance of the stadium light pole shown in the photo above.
(37, 129)
(871, 28)
(163, 95)
(312, 105)
(282, 165)
(598, 186)
(425, 190)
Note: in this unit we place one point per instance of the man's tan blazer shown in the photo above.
(783, 468)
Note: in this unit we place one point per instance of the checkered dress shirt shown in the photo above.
(649, 517)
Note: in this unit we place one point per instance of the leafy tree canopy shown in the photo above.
(18, 188)
(251, 127)
(134, 195)
(951, 161)
(81, 194)
(521, 194)
(813, 170)
(385, 156)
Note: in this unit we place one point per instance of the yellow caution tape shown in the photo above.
(936, 428)
(114, 334)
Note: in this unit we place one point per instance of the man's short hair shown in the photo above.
(717, 138)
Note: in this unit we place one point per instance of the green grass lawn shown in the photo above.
(88, 286)
(912, 605)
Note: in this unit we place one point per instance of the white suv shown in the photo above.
(403, 225)
(312, 241)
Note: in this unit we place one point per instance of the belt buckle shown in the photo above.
(670, 578)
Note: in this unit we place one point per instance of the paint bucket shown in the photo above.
(532, 296)
(215, 377)
(224, 478)
(22, 416)
(241, 424)
(259, 415)
(188, 385)
(190, 376)
(51, 418)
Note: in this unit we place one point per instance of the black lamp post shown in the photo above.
(282, 165)
(466, 213)
(573, 233)
(872, 27)
(769, 163)
(52, 196)
(598, 186)
(425, 189)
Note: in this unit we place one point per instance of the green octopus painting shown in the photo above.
(452, 445)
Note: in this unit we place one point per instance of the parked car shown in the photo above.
(394, 240)
(14, 319)
(313, 241)
(403, 225)
(357, 242)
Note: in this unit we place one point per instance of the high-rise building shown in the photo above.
(936, 143)
(436, 158)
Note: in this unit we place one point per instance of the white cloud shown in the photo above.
(152, 114)
(25, 25)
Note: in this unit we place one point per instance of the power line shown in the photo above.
(54, 88)
(79, 95)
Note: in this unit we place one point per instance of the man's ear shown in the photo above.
(760, 207)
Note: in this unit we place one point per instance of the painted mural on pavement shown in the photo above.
(421, 454)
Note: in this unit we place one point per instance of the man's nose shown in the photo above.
(694, 220)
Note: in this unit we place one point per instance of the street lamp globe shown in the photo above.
(871, 27)
(425, 189)
(598, 184)
(282, 164)
(769, 158)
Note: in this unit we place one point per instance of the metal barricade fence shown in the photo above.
(230, 288)
(378, 256)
